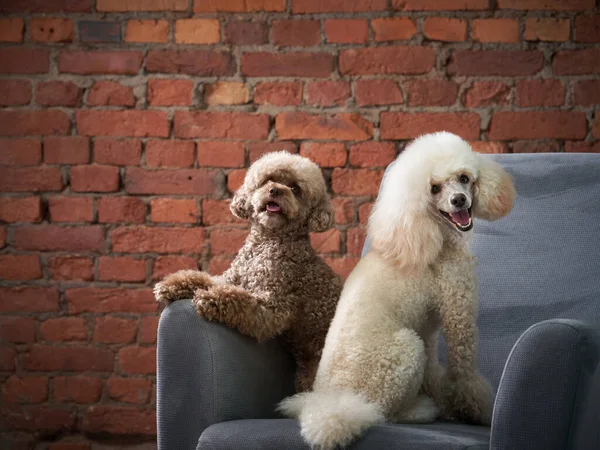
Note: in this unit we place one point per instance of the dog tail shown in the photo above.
(331, 419)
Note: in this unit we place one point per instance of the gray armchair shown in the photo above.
(539, 321)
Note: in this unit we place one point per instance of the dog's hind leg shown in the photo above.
(181, 285)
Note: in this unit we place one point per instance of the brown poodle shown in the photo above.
(276, 285)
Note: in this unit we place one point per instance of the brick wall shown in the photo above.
(126, 125)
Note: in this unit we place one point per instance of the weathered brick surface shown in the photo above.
(127, 125)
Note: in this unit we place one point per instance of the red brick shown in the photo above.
(216, 212)
(218, 265)
(15, 92)
(229, 125)
(114, 330)
(138, 360)
(71, 209)
(79, 389)
(32, 179)
(344, 210)
(577, 62)
(18, 330)
(510, 63)
(489, 147)
(110, 300)
(226, 93)
(51, 29)
(121, 209)
(203, 6)
(540, 92)
(343, 126)
(386, 60)
(33, 122)
(20, 209)
(2, 236)
(25, 389)
(20, 267)
(110, 93)
(147, 31)
(207, 63)
(20, 152)
(100, 62)
(118, 152)
(318, 6)
(431, 92)
(325, 154)
(445, 29)
(68, 359)
(56, 238)
(290, 64)
(221, 154)
(235, 178)
(64, 329)
(347, 31)
(157, 240)
(393, 28)
(172, 210)
(485, 93)
(411, 125)
(165, 265)
(278, 93)
(117, 420)
(169, 153)
(227, 241)
(172, 181)
(94, 178)
(495, 30)
(547, 29)
(327, 93)
(99, 31)
(535, 147)
(69, 268)
(587, 28)
(246, 33)
(356, 182)
(372, 154)
(296, 33)
(538, 125)
(43, 420)
(546, 4)
(596, 126)
(327, 242)
(258, 149)
(439, 5)
(122, 123)
(149, 327)
(121, 268)
(66, 150)
(24, 60)
(377, 92)
(141, 5)
(69, 445)
(355, 241)
(342, 266)
(129, 390)
(197, 31)
(7, 359)
(45, 6)
(170, 92)
(587, 93)
(582, 147)
(11, 29)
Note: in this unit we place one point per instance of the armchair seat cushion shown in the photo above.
(277, 434)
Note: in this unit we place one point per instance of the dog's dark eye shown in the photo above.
(464, 179)
(435, 188)
(295, 189)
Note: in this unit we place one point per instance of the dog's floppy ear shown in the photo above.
(240, 205)
(321, 217)
(494, 191)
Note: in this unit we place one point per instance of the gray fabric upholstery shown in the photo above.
(285, 434)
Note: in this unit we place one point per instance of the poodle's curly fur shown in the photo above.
(380, 360)
(277, 284)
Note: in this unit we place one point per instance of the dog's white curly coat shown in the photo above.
(380, 360)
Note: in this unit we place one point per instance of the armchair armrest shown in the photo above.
(549, 393)
(207, 373)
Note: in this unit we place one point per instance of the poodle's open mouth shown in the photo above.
(462, 219)
(273, 208)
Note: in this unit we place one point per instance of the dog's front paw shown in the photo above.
(207, 304)
(470, 399)
(181, 285)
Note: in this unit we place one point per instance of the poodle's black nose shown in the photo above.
(458, 200)
(274, 191)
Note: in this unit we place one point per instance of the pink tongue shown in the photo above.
(461, 217)
(273, 207)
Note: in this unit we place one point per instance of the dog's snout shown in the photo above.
(274, 191)
(458, 200)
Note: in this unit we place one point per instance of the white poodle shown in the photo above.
(380, 360)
